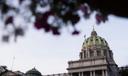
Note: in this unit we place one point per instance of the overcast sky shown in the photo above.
(50, 54)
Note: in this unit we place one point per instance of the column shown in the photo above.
(88, 54)
(95, 52)
(82, 74)
(70, 74)
(93, 73)
(102, 72)
(106, 73)
(79, 74)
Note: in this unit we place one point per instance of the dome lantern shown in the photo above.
(93, 33)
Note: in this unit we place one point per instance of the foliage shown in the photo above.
(52, 15)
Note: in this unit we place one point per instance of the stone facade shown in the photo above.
(59, 74)
(96, 59)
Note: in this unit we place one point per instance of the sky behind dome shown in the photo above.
(50, 54)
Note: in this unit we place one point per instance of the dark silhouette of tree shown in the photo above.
(52, 15)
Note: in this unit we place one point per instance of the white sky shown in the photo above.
(50, 54)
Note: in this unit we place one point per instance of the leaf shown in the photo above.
(19, 31)
(41, 21)
(21, 1)
(74, 19)
(9, 20)
(55, 30)
(101, 18)
(75, 32)
(5, 38)
(5, 8)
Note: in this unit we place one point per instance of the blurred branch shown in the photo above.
(64, 12)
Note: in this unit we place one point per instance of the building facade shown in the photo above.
(96, 59)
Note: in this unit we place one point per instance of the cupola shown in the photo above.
(94, 40)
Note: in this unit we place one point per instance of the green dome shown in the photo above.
(94, 39)
(33, 72)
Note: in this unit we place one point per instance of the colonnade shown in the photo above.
(90, 73)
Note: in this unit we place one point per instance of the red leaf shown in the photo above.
(75, 32)
(9, 20)
(41, 21)
(55, 30)
(99, 18)
(38, 25)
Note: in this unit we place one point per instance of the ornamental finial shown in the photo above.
(93, 33)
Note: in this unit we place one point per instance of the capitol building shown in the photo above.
(95, 59)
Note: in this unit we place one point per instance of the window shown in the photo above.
(105, 52)
(101, 40)
(96, 39)
(98, 53)
(91, 53)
